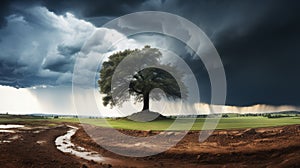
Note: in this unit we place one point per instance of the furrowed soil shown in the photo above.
(34, 146)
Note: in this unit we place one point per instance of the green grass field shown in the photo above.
(224, 123)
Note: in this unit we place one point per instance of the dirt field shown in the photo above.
(262, 147)
(33, 146)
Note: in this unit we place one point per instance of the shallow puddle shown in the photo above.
(4, 141)
(7, 126)
(41, 142)
(64, 144)
(8, 131)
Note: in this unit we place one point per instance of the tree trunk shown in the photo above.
(146, 102)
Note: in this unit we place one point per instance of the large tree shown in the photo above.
(140, 83)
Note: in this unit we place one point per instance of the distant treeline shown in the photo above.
(269, 115)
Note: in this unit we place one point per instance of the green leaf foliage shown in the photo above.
(148, 74)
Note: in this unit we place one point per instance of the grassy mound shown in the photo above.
(145, 116)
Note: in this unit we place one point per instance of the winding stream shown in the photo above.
(64, 144)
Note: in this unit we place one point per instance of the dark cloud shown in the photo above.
(67, 51)
(92, 8)
(40, 54)
(258, 42)
(60, 64)
(87, 8)
(9, 7)
(262, 63)
(4, 12)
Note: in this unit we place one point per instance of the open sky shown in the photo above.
(258, 42)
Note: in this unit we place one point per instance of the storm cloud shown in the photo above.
(258, 42)
(39, 47)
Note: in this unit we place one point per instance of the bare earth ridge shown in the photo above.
(33, 146)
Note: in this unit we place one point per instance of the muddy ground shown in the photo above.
(33, 146)
(261, 147)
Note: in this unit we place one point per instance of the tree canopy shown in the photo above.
(142, 81)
